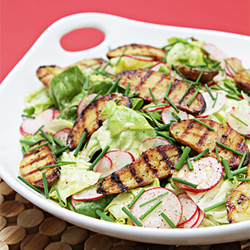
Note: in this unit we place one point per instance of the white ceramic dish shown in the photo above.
(46, 51)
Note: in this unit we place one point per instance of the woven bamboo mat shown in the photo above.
(26, 227)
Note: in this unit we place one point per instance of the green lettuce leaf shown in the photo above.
(74, 177)
(37, 101)
(125, 129)
(183, 53)
(65, 86)
(89, 207)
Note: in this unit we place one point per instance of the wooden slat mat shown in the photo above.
(26, 227)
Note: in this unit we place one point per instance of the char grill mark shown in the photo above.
(153, 163)
(199, 138)
(33, 160)
(115, 178)
(91, 119)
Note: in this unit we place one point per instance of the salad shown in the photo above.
(150, 137)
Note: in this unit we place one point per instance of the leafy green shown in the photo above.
(70, 112)
(74, 177)
(89, 207)
(38, 137)
(124, 129)
(37, 101)
(104, 86)
(65, 86)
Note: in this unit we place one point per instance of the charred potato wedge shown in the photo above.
(143, 79)
(46, 73)
(242, 79)
(154, 163)
(139, 50)
(199, 138)
(33, 160)
(91, 119)
(238, 202)
(193, 73)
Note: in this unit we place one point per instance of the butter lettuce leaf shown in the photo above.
(125, 129)
(183, 53)
(65, 86)
(74, 177)
(37, 101)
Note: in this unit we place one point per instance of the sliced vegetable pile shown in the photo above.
(151, 137)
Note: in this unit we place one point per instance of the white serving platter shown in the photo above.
(46, 51)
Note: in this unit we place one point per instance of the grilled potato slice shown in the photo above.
(46, 73)
(199, 138)
(238, 202)
(91, 119)
(143, 79)
(154, 163)
(33, 160)
(139, 50)
(242, 79)
(193, 73)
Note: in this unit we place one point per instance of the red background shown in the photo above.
(23, 21)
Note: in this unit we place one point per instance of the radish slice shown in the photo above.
(243, 115)
(30, 126)
(207, 173)
(84, 102)
(103, 166)
(235, 64)
(140, 58)
(146, 107)
(189, 208)
(73, 202)
(119, 159)
(221, 100)
(191, 223)
(166, 115)
(218, 55)
(56, 113)
(171, 206)
(157, 66)
(175, 75)
(215, 53)
(201, 218)
(245, 96)
(152, 143)
(62, 135)
(87, 194)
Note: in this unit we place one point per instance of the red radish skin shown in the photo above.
(30, 126)
(235, 63)
(166, 115)
(243, 115)
(62, 135)
(157, 66)
(119, 159)
(221, 100)
(201, 218)
(56, 114)
(87, 194)
(156, 108)
(152, 143)
(73, 202)
(192, 222)
(139, 58)
(103, 166)
(170, 205)
(219, 55)
(84, 102)
(207, 173)
(189, 208)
